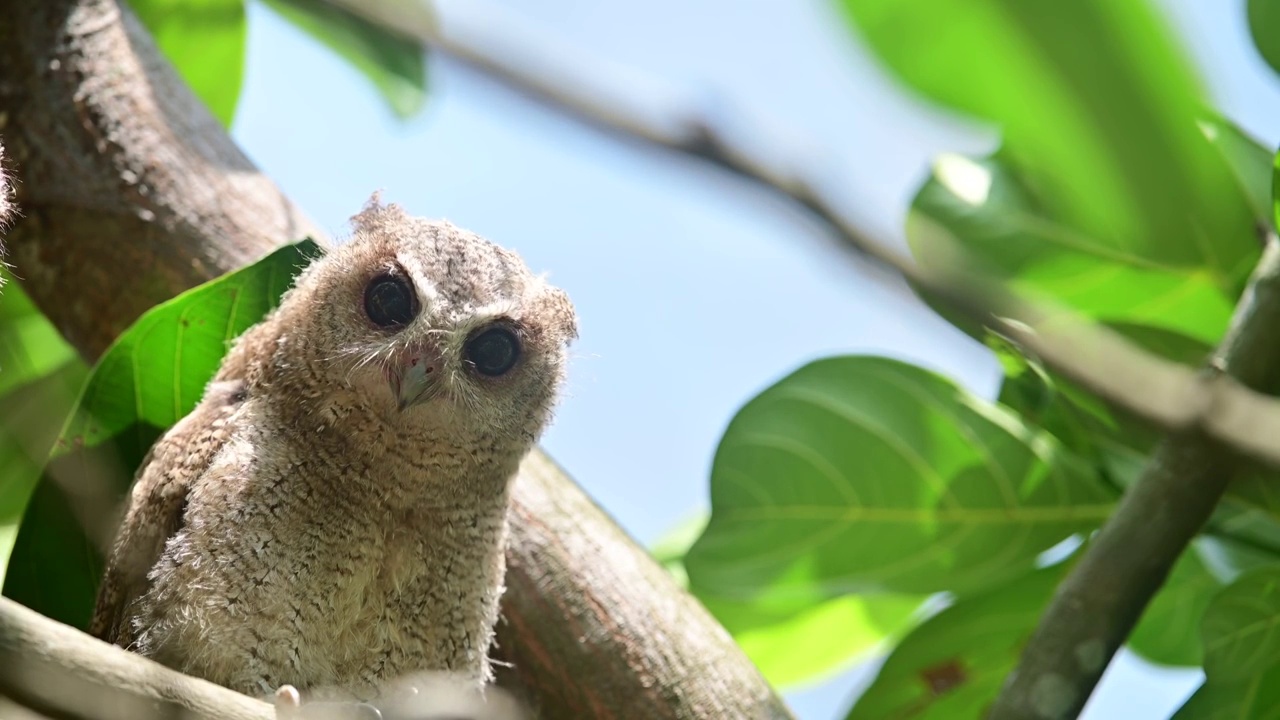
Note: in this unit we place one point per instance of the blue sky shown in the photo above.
(695, 290)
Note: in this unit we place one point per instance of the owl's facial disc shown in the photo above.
(415, 376)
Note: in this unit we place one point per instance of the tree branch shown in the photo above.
(58, 671)
(1097, 605)
(133, 193)
(641, 109)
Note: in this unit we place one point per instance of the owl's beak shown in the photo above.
(415, 379)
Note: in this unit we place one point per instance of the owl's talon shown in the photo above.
(287, 700)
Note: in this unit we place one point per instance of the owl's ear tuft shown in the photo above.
(558, 311)
(375, 216)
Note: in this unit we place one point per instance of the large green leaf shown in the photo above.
(799, 642)
(864, 475)
(205, 41)
(1097, 108)
(150, 377)
(394, 64)
(954, 663)
(1241, 632)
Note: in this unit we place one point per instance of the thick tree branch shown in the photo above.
(1097, 605)
(123, 175)
(131, 193)
(641, 109)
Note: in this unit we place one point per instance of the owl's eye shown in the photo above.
(493, 352)
(389, 301)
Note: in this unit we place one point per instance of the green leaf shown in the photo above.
(30, 346)
(34, 413)
(394, 64)
(1241, 632)
(1264, 26)
(40, 376)
(954, 663)
(149, 378)
(1168, 632)
(981, 213)
(1097, 107)
(205, 41)
(156, 371)
(1256, 699)
(865, 475)
(1250, 163)
(798, 642)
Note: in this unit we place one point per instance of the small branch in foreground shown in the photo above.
(58, 671)
(623, 103)
(1102, 597)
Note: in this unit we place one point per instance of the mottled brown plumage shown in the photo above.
(332, 515)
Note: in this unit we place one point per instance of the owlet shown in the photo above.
(333, 513)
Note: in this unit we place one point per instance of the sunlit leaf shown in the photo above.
(796, 642)
(980, 213)
(865, 475)
(1097, 108)
(205, 41)
(394, 64)
(149, 378)
(156, 371)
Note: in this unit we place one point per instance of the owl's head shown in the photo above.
(432, 328)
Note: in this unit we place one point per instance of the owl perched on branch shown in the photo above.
(332, 515)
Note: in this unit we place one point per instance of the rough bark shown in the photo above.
(128, 188)
(131, 192)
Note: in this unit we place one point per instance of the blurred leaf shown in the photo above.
(797, 642)
(1177, 314)
(1255, 699)
(1168, 632)
(1250, 163)
(149, 378)
(40, 377)
(1241, 632)
(864, 475)
(33, 415)
(1264, 26)
(396, 65)
(954, 663)
(30, 346)
(205, 41)
(979, 213)
(1097, 108)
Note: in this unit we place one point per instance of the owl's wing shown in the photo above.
(156, 505)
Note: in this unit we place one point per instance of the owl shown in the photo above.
(332, 515)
